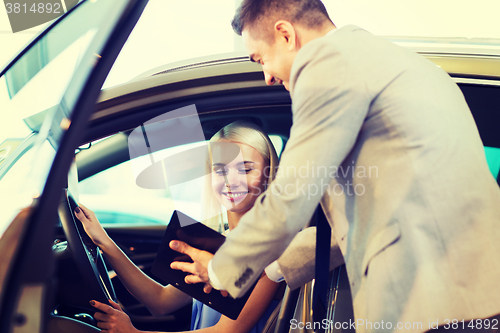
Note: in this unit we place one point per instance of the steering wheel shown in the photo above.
(86, 255)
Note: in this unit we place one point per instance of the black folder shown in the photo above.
(202, 237)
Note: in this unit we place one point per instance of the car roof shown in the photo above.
(229, 86)
(460, 57)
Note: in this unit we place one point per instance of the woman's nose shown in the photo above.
(234, 179)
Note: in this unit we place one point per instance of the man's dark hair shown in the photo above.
(310, 13)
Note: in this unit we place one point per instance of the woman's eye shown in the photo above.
(245, 170)
(221, 172)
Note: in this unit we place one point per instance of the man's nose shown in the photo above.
(269, 79)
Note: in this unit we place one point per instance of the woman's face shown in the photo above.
(239, 179)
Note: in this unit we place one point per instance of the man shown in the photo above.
(407, 191)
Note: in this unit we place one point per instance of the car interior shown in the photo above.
(140, 242)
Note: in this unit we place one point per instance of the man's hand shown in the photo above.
(199, 267)
(208, 289)
(113, 320)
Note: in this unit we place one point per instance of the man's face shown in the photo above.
(276, 58)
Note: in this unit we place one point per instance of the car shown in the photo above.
(64, 140)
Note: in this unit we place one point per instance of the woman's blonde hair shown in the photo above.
(238, 132)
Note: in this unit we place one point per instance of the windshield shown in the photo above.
(37, 96)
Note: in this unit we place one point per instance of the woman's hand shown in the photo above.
(112, 319)
(92, 226)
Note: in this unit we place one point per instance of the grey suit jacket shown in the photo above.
(297, 263)
(385, 141)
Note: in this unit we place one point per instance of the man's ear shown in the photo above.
(285, 32)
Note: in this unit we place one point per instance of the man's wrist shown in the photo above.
(273, 272)
(212, 278)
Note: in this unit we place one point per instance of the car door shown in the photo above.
(46, 95)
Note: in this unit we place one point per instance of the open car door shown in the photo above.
(47, 94)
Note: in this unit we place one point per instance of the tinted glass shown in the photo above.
(37, 95)
(493, 158)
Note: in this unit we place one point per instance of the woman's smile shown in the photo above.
(234, 196)
(238, 183)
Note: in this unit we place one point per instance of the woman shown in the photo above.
(233, 187)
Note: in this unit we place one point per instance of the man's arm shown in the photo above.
(330, 103)
(296, 265)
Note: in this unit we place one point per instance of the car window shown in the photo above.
(115, 197)
(277, 143)
(37, 95)
(493, 158)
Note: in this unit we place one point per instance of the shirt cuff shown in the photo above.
(273, 272)
(212, 278)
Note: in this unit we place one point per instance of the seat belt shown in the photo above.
(322, 267)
